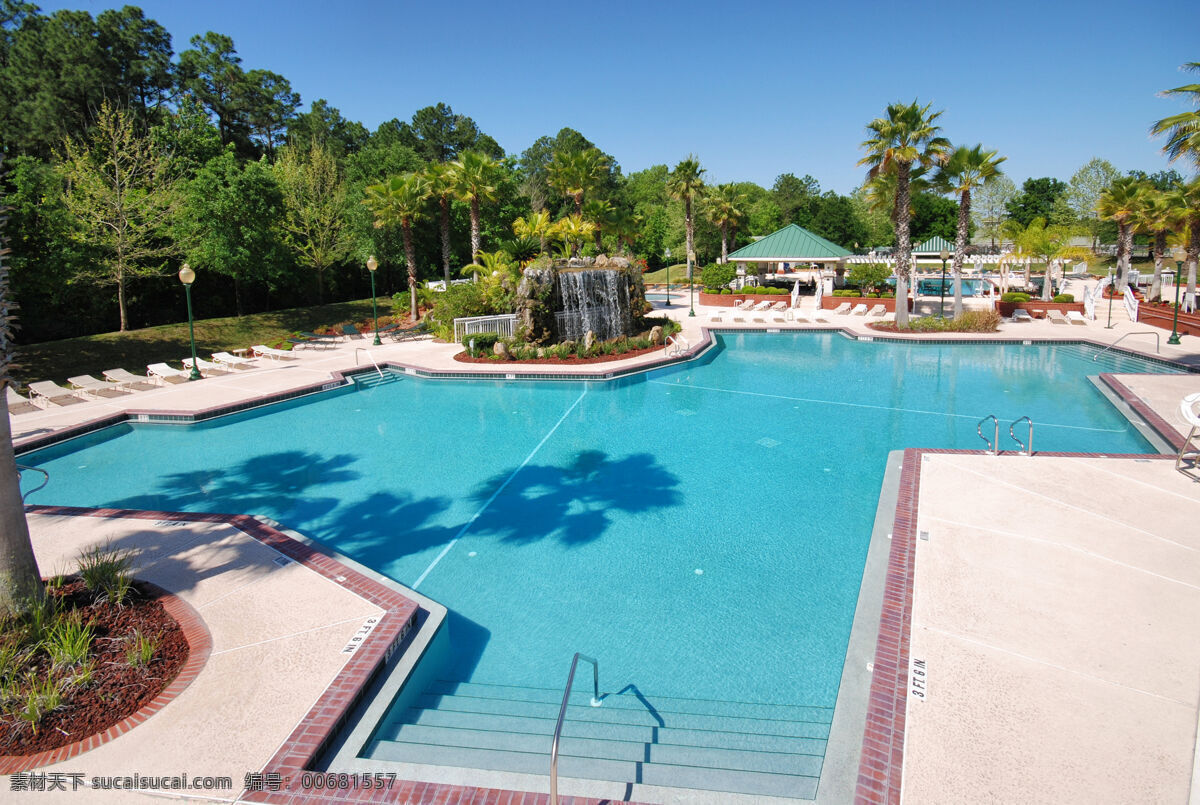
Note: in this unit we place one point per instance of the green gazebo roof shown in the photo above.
(934, 246)
(791, 244)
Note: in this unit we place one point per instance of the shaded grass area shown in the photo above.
(133, 350)
(678, 275)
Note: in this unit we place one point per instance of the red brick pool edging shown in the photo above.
(199, 648)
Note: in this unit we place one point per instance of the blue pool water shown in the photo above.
(701, 529)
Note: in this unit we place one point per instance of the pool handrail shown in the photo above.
(994, 444)
(1025, 450)
(562, 714)
(1157, 342)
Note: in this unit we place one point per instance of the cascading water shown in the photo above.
(594, 299)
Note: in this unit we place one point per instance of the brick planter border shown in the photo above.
(199, 648)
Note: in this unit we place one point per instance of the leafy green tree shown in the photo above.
(576, 173)
(796, 198)
(187, 138)
(1159, 180)
(476, 180)
(965, 170)
(441, 187)
(869, 276)
(834, 219)
(572, 231)
(123, 198)
(876, 221)
(1084, 191)
(230, 221)
(1036, 200)
(315, 215)
(137, 59)
(1190, 196)
(1183, 129)
(686, 183)
(599, 212)
(1049, 244)
(20, 581)
(1160, 213)
(324, 125)
(907, 135)
(534, 171)
(270, 106)
(724, 206)
(1121, 202)
(400, 201)
(990, 208)
(440, 135)
(537, 226)
(212, 71)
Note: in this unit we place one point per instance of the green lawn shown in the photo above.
(133, 350)
(678, 275)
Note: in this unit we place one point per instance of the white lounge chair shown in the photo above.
(262, 350)
(1075, 317)
(129, 380)
(1056, 317)
(232, 361)
(760, 311)
(844, 307)
(52, 393)
(1021, 315)
(98, 388)
(878, 311)
(859, 309)
(206, 367)
(166, 374)
(18, 404)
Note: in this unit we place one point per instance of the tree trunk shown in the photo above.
(237, 296)
(687, 220)
(445, 205)
(1047, 283)
(411, 258)
(903, 244)
(1124, 250)
(121, 300)
(579, 204)
(20, 581)
(724, 244)
(474, 228)
(599, 242)
(1193, 251)
(960, 248)
(1160, 254)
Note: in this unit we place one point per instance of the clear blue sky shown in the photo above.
(754, 89)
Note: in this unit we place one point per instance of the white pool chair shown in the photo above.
(1075, 317)
(232, 361)
(878, 311)
(18, 404)
(166, 374)
(1021, 315)
(1056, 317)
(98, 388)
(844, 307)
(859, 309)
(129, 380)
(207, 368)
(264, 351)
(53, 394)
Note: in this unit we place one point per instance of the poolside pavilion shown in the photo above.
(792, 252)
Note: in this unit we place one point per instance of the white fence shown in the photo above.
(505, 325)
(1131, 303)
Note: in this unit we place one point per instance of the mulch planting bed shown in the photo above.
(116, 688)
(463, 357)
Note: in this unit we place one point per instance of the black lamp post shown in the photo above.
(691, 303)
(187, 277)
(945, 255)
(667, 254)
(373, 264)
(1109, 289)
(1178, 255)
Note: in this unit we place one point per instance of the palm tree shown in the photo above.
(1048, 244)
(599, 212)
(906, 136)
(725, 208)
(441, 187)
(572, 230)
(625, 226)
(1160, 214)
(1191, 200)
(964, 170)
(1120, 202)
(476, 179)
(401, 200)
(686, 184)
(536, 225)
(20, 581)
(1183, 129)
(574, 173)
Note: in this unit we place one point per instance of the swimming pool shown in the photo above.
(700, 529)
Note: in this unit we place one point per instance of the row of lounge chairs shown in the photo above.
(1054, 316)
(861, 309)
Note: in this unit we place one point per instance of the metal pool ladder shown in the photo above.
(1122, 338)
(562, 714)
(993, 446)
(45, 480)
(1026, 450)
(369, 355)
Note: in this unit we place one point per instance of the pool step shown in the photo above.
(756, 749)
(369, 380)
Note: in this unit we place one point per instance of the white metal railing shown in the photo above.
(505, 325)
(1131, 303)
(1089, 300)
(562, 714)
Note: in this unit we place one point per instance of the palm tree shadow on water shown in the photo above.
(519, 504)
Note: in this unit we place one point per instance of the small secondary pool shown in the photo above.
(700, 529)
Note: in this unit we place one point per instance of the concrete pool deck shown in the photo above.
(930, 757)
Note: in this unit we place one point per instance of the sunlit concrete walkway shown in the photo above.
(1055, 607)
